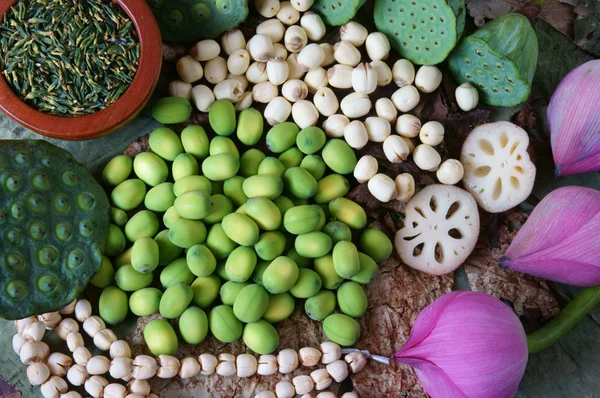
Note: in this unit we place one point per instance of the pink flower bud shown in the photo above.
(467, 345)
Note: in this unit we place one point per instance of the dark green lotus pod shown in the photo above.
(54, 221)
(423, 31)
(188, 21)
(499, 59)
(337, 12)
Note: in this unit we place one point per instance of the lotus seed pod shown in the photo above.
(428, 79)
(53, 387)
(260, 48)
(328, 51)
(272, 28)
(406, 98)
(335, 125)
(143, 224)
(305, 114)
(287, 14)
(229, 89)
(294, 90)
(215, 70)
(224, 325)
(378, 46)
(312, 24)
(315, 80)
(383, 188)
(257, 73)
(267, 8)
(202, 97)
(311, 56)
(346, 54)
(81, 356)
(38, 373)
(193, 325)
(356, 105)
(264, 92)
(277, 111)
(104, 339)
(395, 149)
(408, 126)
(189, 69)
(83, 310)
(209, 363)
(426, 158)
(297, 71)
(354, 33)
(432, 133)
(450, 172)
(168, 366)
(467, 97)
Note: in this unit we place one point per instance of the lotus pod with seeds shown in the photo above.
(423, 31)
(54, 220)
(337, 12)
(188, 21)
(499, 59)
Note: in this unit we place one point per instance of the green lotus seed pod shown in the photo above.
(193, 325)
(300, 183)
(250, 161)
(264, 212)
(176, 272)
(113, 306)
(219, 243)
(224, 325)
(280, 276)
(150, 168)
(291, 158)
(172, 110)
(313, 244)
(284, 204)
(184, 165)
(105, 274)
(118, 217)
(315, 165)
(192, 183)
(220, 145)
(230, 290)
(221, 167)
(261, 337)
(345, 259)
(321, 305)
(331, 187)
(240, 229)
(115, 244)
(175, 300)
(300, 261)
(281, 306)
(221, 117)
(251, 303)
(368, 269)
(250, 127)
(325, 269)
(206, 290)
(143, 224)
(339, 156)
(232, 188)
(261, 267)
(341, 329)
(338, 231)
(160, 337)
(165, 143)
(129, 280)
(117, 170)
(167, 251)
(270, 245)
(201, 261)
(307, 285)
(160, 198)
(187, 233)
(195, 141)
(129, 194)
(310, 140)
(301, 219)
(193, 205)
(352, 299)
(267, 186)
(145, 302)
(144, 255)
(122, 259)
(282, 136)
(348, 212)
(240, 264)
(271, 166)
(338, 12)
(171, 217)
(376, 244)
(221, 206)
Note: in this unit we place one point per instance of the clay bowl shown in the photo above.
(116, 115)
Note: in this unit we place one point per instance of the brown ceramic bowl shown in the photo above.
(116, 115)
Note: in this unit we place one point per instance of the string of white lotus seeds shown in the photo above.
(48, 370)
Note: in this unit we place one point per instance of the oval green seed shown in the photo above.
(232, 188)
(175, 300)
(339, 156)
(352, 299)
(348, 212)
(117, 170)
(118, 217)
(315, 165)
(300, 183)
(282, 136)
(144, 255)
(331, 187)
(219, 243)
(129, 194)
(167, 251)
(345, 259)
(176, 272)
(264, 213)
(150, 168)
(220, 167)
(291, 158)
(129, 280)
(221, 206)
(241, 229)
(184, 165)
(310, 140)
(280, 276)
(270, 245)
(230, 290)
(220, 145)
(200, 260)
(251, 303)
(284, 204)
(376, 244)
(143, 224)
(171, 217)
(281, 306)
(261, 337)
(368, 269)
(221, 116)
(160, 337)
(250, 161)
(271, 166)
(313, 244)
(195, 141)
(145, 302)
(250, 126)
(113, 305)
(338, 231)
(206, 290)
(187, 233)
(193, 325)
(115, 243)
(192, 183)
(307, 285)
(263, 185)
(324, 267)
(301, 219)
(172, 110)
(224, 325)
(321, 305)
(160, 198)
(341, 329)
(165, 143)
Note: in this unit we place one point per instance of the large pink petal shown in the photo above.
(561, 239)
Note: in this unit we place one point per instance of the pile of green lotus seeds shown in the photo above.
(228, 242)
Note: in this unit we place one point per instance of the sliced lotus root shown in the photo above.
(440, 229)
(337, 12)
(422, 31)
(188, 21)
(53, 226)
(499, 59)
(498, 171)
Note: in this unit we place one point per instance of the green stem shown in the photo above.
(566, 320)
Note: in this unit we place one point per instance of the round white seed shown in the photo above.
(426, 158)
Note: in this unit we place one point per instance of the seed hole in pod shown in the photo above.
(422, 37)
(417, 48)
(75, 258)
(519, 157)
(481, 85)
(479, 72)
(391, 20)
(14, 261)
(507, 89)
(431, 18)
(333, 7)
(340, 4)
(414, 3)
(497, 189)
(420, 211)
(13, 183)
(418, 249)
(63, 231)
(482, 171)
(412, 13)
(401, 9)
(47, 283)
(410, 37)
(427, 49)
(61, 203)
(486, 147)
(47, 255)
(439, 253)
(396, 33)
(514, 148)
(485, 64)
(467, 60)
(69, 179)
(496, 78)
(16, 289)
(389, 9)
(442, 20)
(436, 43)
(452, 209)
(519, 169)
(455, 233)
(46, 162)
(435, 7)
(479, 52)
(503, 139)
(514, 181)
(85, 228)
(35, 203)
(431, 30)
(422, 21)
(40, 182)
(414, 26)
(495, 90)
(443, 33)
(17, 211)
(37, 230)
(324, 7)
(13, 237)
(468, 75)
(510, 80)
(424, 8)
(409, 238)
(21, 158)
(499, 65)
(405, 44)
(415, 224)
(402, 23)
(433, 204)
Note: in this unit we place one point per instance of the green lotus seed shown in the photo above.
(145, 302)
(75, 258)
(61, 203)
(69, 179)
(16, 289)
(13, 183)
(86, 228)
(63, 231)
(46, 162)
(39, 181)
(193, 325)
(35, 203)
(37, 230)
(201, 12)
(118, 217)
(85, 201)
(17, 211)
(175, 17)
(113, 305)
(13, 237)
(47, 255)
(21, 158)
(47, 283)
(160, 337)
(14, 261)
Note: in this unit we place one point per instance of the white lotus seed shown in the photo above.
(313, 25)
(178, 88)
(205, 50)
(432, 133)
(382, 188)
(295, 39)
(354, 33)
(426, 158)
(189, 69)
(428, 79)
(294, 90)
(272, 28)
(383, 71)
(356, 134)
(365, 168)
(364, 78)
(233, 40)
(287, 14)
(450, 172)
(340, 76)
(406, 98)
(403, 73)
(277, 71)
(378, 128)
(467, 97)
(238, 62)
(326, 101)
(328, 51)
(215, 70)
(202, 97)
(345, 53)
(260, 48)
(315, 80)
(267, 8)
(378, 46)
(311, 56)
(277, 111)
(408, 126)
(395, 149)
(356, 105)
(405, 186)
(384, 107)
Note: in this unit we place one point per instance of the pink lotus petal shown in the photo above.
(561, 239)
(467, 345)
(574, 121)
